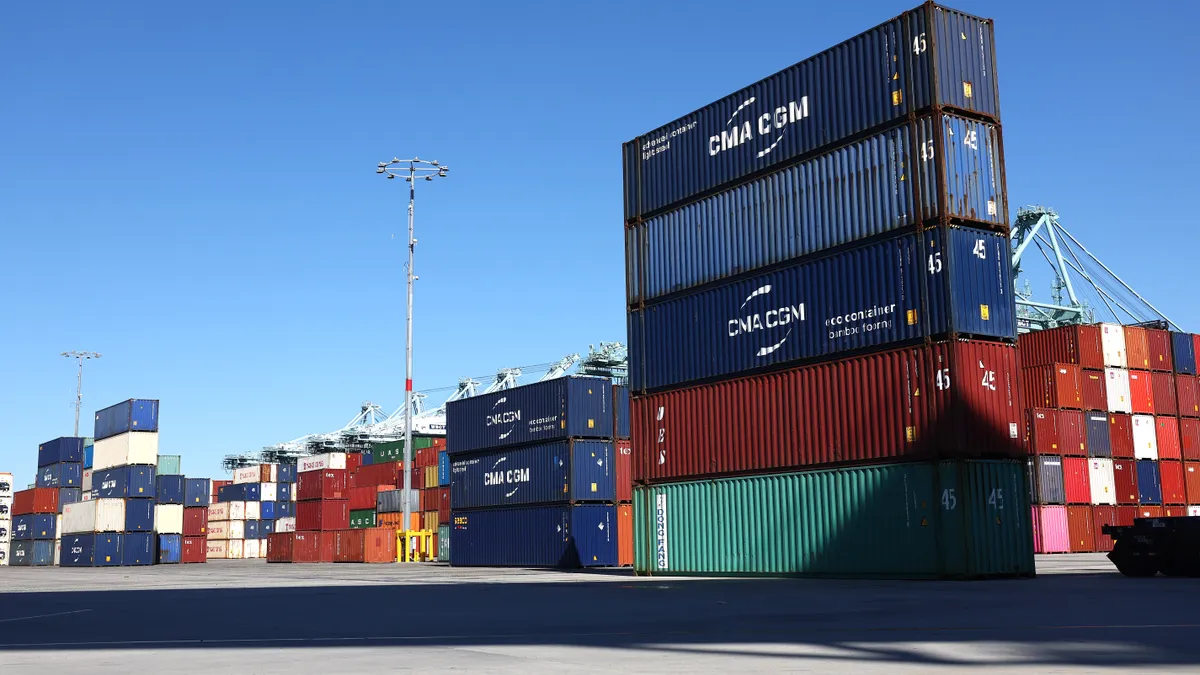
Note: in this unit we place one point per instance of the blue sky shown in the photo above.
(189, 188)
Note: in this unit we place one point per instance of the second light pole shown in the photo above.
(411, 170)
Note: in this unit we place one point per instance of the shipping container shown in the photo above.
(548, 473)
(287, 473)
(1067, 344)
(373, 545)
(283, 492)
(195, 522)
(443, 549)
(132, 448)
(620, 412)
(365, 497)
(239, 492)
(1158, 346)
(34, 526)
(59, 450)
(287, 524)
(96, 515)
(137, 548)
(132, 415)
(1116, 385)
(1101, 516)
(1148, 481)
(361, 518)
(194, 549)
(38, 553)
(285, 510)
(170, 549)
(216, 485)
(1043, 432)
(566, 536)
(1099, 443)
(623, 470)
(250, 530)
(392, 501)
(1050, 533)
(1112, 344)
(1101, 481)
(393, 451)
(35, 500)
(1189, 438)
(265, 527)
(948, 519)
(1120, 431)
(327, 514)
(1046, 481)
(1077, 487)
(170, 489)
(168, 519)
(1095, 393)
(867, 189)
(85, 482)
(1183, 353)
(1191, 482)
(323, 484)
(1080, 530)
(197, 491)
(90, 550)
(1126, 480)
(444, 500)
(1137, 348)
(333, 460)
(879, 295)
(227, 511)
(68, 495)
(1150, 512)
(625, 535)
(170, 465)
(1145, 438)
(1167, 438)
(930, 56)
(1126, 515)
(1174, 490)
(139, 515)
(384, 473)
(1141, 392)
(861, 409)
(312, 547)
(1053, 386)
(124, 481)
(253, 510)
(1163, 389)
(246, 474)
(443, 467)
(1072, 432)
(556, 409)
(65, 474)
(89, 452)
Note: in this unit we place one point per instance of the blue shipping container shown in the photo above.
(265, 527)
(928, 56)
(535, 536)
(621, 411)
(368, 457)
(137, 548)
(26, 553)
(879, 295)
(1183, 348)
(285, 510)
(852, 193)
(65, 474)
(197, 492)
(443, 468)
(68, 495)
(283, 492)
(89, 451)
(1099, 440)
(34, 526)
(170, 489)
(549, 473)
(124, 481)
(139, 515)
(239, 492)
(564, 407)
(90, 550)
(170, 549)
(1149, 484)
(252, 529)
(287, 473)
(266, 510)
(136, 414)
(64, 449)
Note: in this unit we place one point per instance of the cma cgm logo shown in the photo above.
(744, 126)
(506, 419)
(773, 320)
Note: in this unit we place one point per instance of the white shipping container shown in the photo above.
(6, 508)
(1112, 342)
(1145, 439)
(96, 515)
(131, 447)
(285, 525)
(88, 496)
(168, 518)
(250, 548)
(235, 549)
(86, 484)
(246, 475)
(1117, 383)
(267, 492)
(253, 511)
(1102, 481)
(333, 460)
(6, 485)
(1194, 510)
(5, 531)
(227, 511)
(216, 549)
(57, 551)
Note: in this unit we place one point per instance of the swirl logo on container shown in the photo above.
(760, 127)
(505, 420)
(773, 326)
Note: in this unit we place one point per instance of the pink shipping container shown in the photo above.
(1069, 344)
(948, 400)
(1050, 533)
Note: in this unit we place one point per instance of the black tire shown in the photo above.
(1130, 564)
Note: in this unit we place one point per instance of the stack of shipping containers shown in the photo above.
(36, 527)
(6, 507)
(322, 508)
(821, 319)
(248, 509)
(622, 472)
(124, 461)
(532, 476)
(1118, 409)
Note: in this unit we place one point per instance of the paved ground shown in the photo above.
(1078, 616)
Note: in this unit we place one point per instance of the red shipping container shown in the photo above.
(323, 514)
(1068, 344)
(194, 550)
(625, 535)
(216, 485)
(1166, 431)
(280, 546)
(1095, 391)
(1101, 516)
(311, 547)
(1080, 529)
(369, 545)
(430, 499)
(1165, 402)
(1159, 344)
(1174, 511)
(622, 471)
(1174, 490)
(353, 461)
(1076, 481)
(1137, 349)
(950, 400)
(387, 473)
(1191, 482)
(1187, 390)
(365, 497)
(1189, 438)
(1149, 512)
(418, 478)
(1126, 514)
(443, 506)
(323, 484)
(1072, 432)
(1141, 392)
(195, 522)
(1053, 386)
(35, 500)
(1120, 430)
(1125, 480)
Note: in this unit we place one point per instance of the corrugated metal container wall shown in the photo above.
(1145, 438)
(1149, 482)
(1189, 438)
(196, 491)
(1163, 386)
(443, 467)
(1125, 478)
(922, 402)
(137, 548)
(1166, 437)
(194, 550)
(1158, 342)
(1043, 432)
(1101, 516)
(1187, 387)
(327, 514)
(1050, 533)
(66, 474)
(1116, 385)
(139, 515)
(950, 519)
(1101, 481)
(624, 470)
(871, 297)
(1099, 441)
(535, 536)
(333, 460)
(170, 549)
(35, 526)
(1080, 530)
(928, 56)
(1141, 392)
(1137, 348)
(383, 473)
(240, 492)
(1072, 432)
(1077, 488)
(1067, 344)
(620, 411)
(1053, 386)
(170, 489)
(560, 471)
(68, 496)
(324, 484)
(170, 464)
(133, 415)
(1191, 481)
(195, 522)
(1112, 342)
(625, 535)
(852, 193)
(1095, 394)
(1046, 484)
(551, 410)
(95, 515)
(1183, 353)
(1120, 433)
(35, 500)
(124, 481)
(62, 449)
(1174, 491)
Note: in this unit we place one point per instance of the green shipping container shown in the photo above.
(961, 519)
(362, 518)
(169, 465)
(393, 451)
(443, 543)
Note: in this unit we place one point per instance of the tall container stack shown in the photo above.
(821, 312)
(1127, 436)
(249, 508)
(322, 508)
(622, 472)
(6, 515)
(124, 468)
(532, 479)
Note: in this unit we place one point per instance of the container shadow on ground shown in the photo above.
(1098, 620)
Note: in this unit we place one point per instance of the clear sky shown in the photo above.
(189, 188)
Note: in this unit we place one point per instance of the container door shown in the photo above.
(1117, 387)
(1112, 342)
(1102, 483)
(1145, 437)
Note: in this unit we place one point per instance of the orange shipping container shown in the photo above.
(625, 535)
(1137, 348)
(369, 545)
(395, 521)
(1080, 530)
(1191, 479)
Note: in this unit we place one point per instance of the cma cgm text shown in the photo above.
(738, 135)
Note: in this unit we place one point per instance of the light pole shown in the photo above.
(80, 357)
(410, 170)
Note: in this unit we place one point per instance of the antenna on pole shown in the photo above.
(80, 357)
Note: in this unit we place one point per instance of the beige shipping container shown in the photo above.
(97, 515)
(227, 511)
(132, 447)
(247, 474)
(226, 529)
(253, 511)
(250, 548)
(168, 518)
(216, 549)
(333, 460)
(285, 525)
